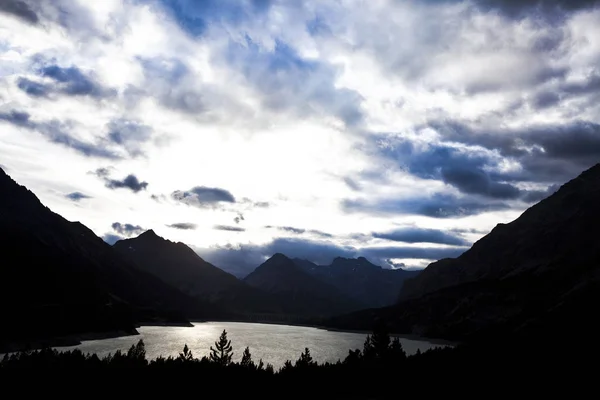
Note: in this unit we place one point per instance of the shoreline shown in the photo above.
(77, 339)
(408, 336)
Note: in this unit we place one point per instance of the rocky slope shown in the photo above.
(536, 276)
(59, 278)
(178, 265)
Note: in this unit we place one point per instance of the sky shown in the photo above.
(401, 131)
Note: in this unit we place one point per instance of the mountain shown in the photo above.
(301, 292)
(536, 276)
(59, 278)
(179, 266)
(366, 283)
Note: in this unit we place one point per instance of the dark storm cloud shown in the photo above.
(476, 181)
(228, 228)
(130, 182)
(419, 235)
(584, 91)
(547, 153)
(19, 9)
(33, 88)
(241, 260)
(57, 132)
(458, 167)
(435, 206)
(202, 196)
(73, 82)
(520, 8)
(127, 229)
(185, 226)
(77, 196)
(111, 238)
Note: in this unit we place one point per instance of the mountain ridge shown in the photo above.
(66, 280)
(534, 277)
(280, 276)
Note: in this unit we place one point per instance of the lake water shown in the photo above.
(273, 343)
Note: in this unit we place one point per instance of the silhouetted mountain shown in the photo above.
(60, 278)
(536, 276)
(179, 266)
(297, 289)
(367, 283)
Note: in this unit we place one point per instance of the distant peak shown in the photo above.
(149, 234)
(279, 256)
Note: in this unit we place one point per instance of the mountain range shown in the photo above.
(59, 278)
(538, 276)
(65, 280)
(534, 277)
(366, 283)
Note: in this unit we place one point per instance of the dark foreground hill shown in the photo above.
(538, 275)
(59, 278)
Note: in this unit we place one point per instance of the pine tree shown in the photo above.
(397, 353)
(269, 369)
(381, 341)
(222, 352)
(305, 359)
(368, 349)
(186, 355)
(247, 359)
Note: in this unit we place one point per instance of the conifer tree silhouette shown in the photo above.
(222, 352)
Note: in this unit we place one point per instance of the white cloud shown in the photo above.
(285, 107)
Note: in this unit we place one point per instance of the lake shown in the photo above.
(273, 343)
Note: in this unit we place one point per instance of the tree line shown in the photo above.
(380, 369)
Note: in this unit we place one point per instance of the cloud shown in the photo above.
(546, 153)
(186, 226)
(111, 238)
(520, 9)
(476, 181)
(243, 259)
(195, 17)
(19, 9)
(57, 132)
(288, 82)
(77, 196)
(436, 206)
(127, 229)
(299, 231)
(229, 228)
(129, 182)
(420, 235)
(352, 184)
(129, 134)
(202, 196)
(73, 82)
(33, 88)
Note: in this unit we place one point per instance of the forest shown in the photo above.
(379, 370)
